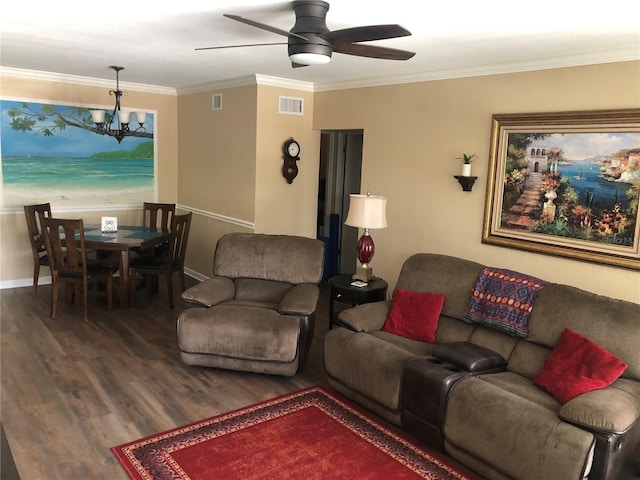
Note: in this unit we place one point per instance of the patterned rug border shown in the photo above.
(396, 444)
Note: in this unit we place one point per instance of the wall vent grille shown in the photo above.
(291, 105)
(216, 101)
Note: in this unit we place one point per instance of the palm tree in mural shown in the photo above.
(48, 120)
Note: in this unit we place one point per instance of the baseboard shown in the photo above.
(27, 282)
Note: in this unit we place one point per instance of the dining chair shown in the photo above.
(158, 215)
(168, 263)
(34, 213)
(65, 243)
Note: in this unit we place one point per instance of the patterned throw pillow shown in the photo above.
(414, 315)
(576, 366)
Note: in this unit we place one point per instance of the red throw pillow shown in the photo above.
(576, 366)
(414, 315)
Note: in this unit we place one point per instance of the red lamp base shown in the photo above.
(365, 250)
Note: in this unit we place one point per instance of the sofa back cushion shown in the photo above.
(281, 258)
(612, 324)
(257, 290)
(454, 277)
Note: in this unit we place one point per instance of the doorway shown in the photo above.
(339, 176)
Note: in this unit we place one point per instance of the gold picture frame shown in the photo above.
(566, 184)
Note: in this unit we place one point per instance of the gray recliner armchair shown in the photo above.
(257, 312)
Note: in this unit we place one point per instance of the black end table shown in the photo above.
(341, 290)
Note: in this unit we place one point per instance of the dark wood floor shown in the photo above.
(71, 390)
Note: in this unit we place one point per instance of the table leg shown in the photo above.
(124, 278)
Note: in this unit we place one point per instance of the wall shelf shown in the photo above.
(466, 182)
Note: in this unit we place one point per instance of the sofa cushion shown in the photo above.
(249, 333)
(576, 366)
(414, 315)
(508, 423)
(452, 276)
(370, 365)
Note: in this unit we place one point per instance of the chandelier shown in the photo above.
(117, 123)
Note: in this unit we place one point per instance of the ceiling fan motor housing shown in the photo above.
(310, 22)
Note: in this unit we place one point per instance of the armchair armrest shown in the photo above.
(613, 409)
(301, 299)
(210, 292)
(367, 317)
(470, 357)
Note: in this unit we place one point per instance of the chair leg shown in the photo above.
(110, 292)
(85, 299)
(181, 273)
(170, 288)
(54, 298)
(132, 289)
(36, 275)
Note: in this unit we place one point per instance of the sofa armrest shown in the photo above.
(613, 409)
(469, 356)
(367, 317)
(210, 292)
(301, 299)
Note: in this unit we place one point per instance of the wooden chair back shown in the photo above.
(34, 214)
(65, 246)
(167, 262)
(65, 243)
(180, 226)
(158, 215)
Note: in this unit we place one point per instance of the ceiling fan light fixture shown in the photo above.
(309, 58)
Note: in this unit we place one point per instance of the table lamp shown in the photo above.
(366, 211)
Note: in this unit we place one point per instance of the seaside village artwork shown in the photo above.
(548, 192)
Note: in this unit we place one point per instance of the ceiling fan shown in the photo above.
(312, 43)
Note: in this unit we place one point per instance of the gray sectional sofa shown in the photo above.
(472, 393)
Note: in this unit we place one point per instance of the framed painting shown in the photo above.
(54, 153)
(566, 184)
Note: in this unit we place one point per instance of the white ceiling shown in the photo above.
(155, 40)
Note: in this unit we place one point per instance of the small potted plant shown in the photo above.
(466, 163)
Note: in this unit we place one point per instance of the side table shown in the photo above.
(341, 290)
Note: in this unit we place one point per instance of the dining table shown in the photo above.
(126, 239)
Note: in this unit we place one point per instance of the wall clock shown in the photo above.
(291, 149)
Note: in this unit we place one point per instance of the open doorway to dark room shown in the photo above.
(339, 176)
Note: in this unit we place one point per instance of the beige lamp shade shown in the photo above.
(367, 211)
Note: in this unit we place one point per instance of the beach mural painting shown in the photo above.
(566, 184)
(52, 153)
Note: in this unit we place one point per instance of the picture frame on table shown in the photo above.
(566, 184)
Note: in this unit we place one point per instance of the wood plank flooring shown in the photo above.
(71, 390)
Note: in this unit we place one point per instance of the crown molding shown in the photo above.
(592, 58)
(247, 80)
(87, 81)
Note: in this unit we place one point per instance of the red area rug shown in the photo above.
(309, 434)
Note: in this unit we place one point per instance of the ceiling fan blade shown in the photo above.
(244, 45)
(297, 65)
(365, 34)
(264, 26)
(373, 51)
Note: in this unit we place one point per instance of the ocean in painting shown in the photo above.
(76, 181)
(585, 177)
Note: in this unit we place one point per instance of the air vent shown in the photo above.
(216, 101)
(291, 105)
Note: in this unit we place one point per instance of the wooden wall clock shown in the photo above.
(291, 150)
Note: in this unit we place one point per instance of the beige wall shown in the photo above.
(282, 207)
(217, 168)
(230, 171)
(16, 264)
(226, 166)
(413, 132)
